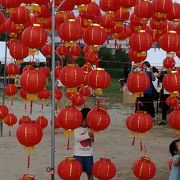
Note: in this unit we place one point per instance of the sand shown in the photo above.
(114, 143)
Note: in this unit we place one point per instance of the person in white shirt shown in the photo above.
(83, 150)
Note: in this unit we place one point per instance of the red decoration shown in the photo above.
(137, 83)
(57, 71)
(128, 4)
(95, 79)
(9, 4)
(71, 76)
(104, 169)
(109, 6)
(12, 70)
(42, 121)
(70, 169)
(137, 57)
(18, 51)
(11, 28)
(174, 120)
(169, 63)
(24, 119)
(141, 41)
(29, 135)
(69, 118)
(98, 119)
(85, 91)
(10, 120)
(62, 50)
(162, 6)
(67, 5)
(3, 111)
(47, 50)
(45, 70)
(34, 37)
(23, 94)
(78, 99)
(2, 17)
(87, 68)
(44, 94)
(107, 22)
(170, 41)
(91, 57)
(75, 51)
(122, 14)
(144, 168)
(174, 13)
(32, 81)
(10, 90)
(58, 94)
(172, 101)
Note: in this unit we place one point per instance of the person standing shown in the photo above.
(83, 150)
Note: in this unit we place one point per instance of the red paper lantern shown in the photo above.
(162, 6)
(109, 6)
(104, 169)
(70, 94)
(58, 94)
(144, 168)
(137, 57)
(75, 51)
(18, 51)
(70, 31)
(23, 94)
(122, 14)
(71, 76)
(3, 111)
(78, 99)
(95, 79)
(42, 121)
(12, 70)
(91, 57)
(69, 118)
(98, 119)
(144, 9)
(45, 70)
(20, 15)
(87, 68)
(57, 71)
(32, 81)
(128, 4)
(107, 22)
(174, 120)
(47, 50)
(10, 120)
(57, 125)
(62, 50)
(70, 169)
(137, 83)
(2, 17)
(171, 83)
(67, 5)
(172, 101)
(9, 4)
(169, 63)
(139, 122)
(85, 91)
(29, 135)
(24, 119)
(170, 41)
(34, 37)
(44, 94)
(141, 41)
(10, 90)
(174, 13)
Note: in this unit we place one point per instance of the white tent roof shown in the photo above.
(156, 57)
(37, 58)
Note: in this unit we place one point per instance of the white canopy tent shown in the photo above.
(37, 58)
(156, 57)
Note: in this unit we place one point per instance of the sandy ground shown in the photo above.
(114, 143)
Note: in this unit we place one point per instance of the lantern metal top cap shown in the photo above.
(70, 158)
(36, 25)
(171, 31)
(71, 20)
(105, 159)
(145, 158)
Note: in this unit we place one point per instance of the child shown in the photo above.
(174, 149)
(83, 139)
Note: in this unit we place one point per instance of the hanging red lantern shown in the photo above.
(34, 38)
(57, 71)
(47, 50)
(70, 31)
(45, 70)
(11, 90)
(78, 99)
(137, 83)
(12, 70)
(69, 118)
(57, 125)
(85, 91)
(29, 135)
(172, 101)
(87, 68)
(170, 41)
(62, 50)
(32, 81)
(107, 22)
(42, 121)
(169, 62)
(137, 22)
(10, 5)
(3, 112)
(171, 83)
(44, 94)
(173, 120)
(178, 28)
(71, 76)
(24, 119)
(91, 57)
(109, 6)
(44, 12)
(23, 94)
(67, 5)
(95, 35)
(20, 15)
(144, 168)
(70, 169)
(98, 119)
(122, 14)
(128, 4)
(82, 4)
(141, 41)
(104, 169)
(2, 17)
(58, 94)
(18, 51)
(69, 94)
(95, 80)
(10, 120)
(75, 51)
(137, 57)
(173, 13)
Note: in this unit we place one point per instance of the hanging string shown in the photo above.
(42, 106)
(9, 132)
(141, 145)
(28, 161)
(68, 143)
(134, 139)
(31, 107)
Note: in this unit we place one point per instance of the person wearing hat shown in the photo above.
(83, 150)
(174, 149)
